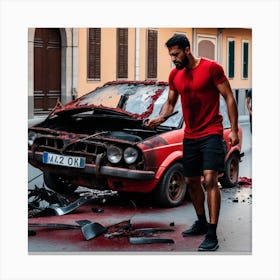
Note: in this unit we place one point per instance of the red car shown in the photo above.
(99, 141)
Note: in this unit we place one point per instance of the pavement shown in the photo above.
(234, 229)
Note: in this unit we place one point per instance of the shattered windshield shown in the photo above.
(173, 121)
(145, 101)
(142, 100)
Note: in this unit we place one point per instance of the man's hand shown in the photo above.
(153, 123)
(233, 138)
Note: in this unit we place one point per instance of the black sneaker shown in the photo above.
(209, 244)
(197, 228)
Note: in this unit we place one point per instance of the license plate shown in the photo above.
(76, 162)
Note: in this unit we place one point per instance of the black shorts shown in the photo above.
(206, 153)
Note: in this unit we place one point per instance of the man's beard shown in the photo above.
(183, 63)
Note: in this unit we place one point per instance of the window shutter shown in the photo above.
(122, 53)
(245, 60)
(152, 54)
(231, 59)
(94, 53)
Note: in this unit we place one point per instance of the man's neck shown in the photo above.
(193, 62)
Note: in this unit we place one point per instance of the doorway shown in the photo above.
(47, 69)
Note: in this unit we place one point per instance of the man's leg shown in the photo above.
(197, 196)
(214, 201)
(196, 193)
(213, 195)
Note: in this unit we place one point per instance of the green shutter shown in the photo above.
(231, 59)
(245, 60)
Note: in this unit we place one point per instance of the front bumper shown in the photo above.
(36, 159)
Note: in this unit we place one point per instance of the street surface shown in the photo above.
(234, 229)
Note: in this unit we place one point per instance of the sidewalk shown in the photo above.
(243, 119)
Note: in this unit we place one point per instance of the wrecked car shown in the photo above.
(99, 141)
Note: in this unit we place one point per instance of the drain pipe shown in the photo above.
(137, 54)
(194, 41)
(219, 47)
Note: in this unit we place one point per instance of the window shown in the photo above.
(122, 53)
(94, 53)
(152, 54)
(245, 59)
(231, 44)
(206, 46)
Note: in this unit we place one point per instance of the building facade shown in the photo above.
(65, 63)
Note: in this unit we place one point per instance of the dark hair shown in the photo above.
(178, 40)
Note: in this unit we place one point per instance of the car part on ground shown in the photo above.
(148, 240)
(63, 210)
(54, 210)
(37, 195)
(54, 225)
(92, 230)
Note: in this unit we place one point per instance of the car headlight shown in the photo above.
(31, 137)
(114, 154)
(130, 155)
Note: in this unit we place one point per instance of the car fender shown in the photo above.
(236, 148)
(173, 157)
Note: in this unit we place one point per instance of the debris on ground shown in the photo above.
(40, 198)
(43, 202)
(147, 240)
(244, 181)
(241, 193)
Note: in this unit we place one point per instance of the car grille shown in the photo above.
(84, 148)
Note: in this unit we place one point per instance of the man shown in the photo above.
(249, 105)
(200, 82)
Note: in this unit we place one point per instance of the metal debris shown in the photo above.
(147, 240)
(54, 225)
(39, 198)
(57, 203)
(93, 230)
(152, 230)
(83, 222)
(59, 211)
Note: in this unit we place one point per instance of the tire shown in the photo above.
(171, 190)
(230, 178)
(58, 184)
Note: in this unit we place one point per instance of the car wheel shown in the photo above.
(58, 183)
(171, 190)
(230, 178)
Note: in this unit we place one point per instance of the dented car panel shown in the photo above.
(99, 141)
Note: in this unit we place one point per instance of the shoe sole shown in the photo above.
(210, 249)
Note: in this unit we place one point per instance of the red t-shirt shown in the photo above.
(200, 97)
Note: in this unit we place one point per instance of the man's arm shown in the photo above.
(166, 110)
(226, 92)
(248, 105)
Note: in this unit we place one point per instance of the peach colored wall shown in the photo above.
(238, 36)
(164, 62)
(108, 54)
(108, 58)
